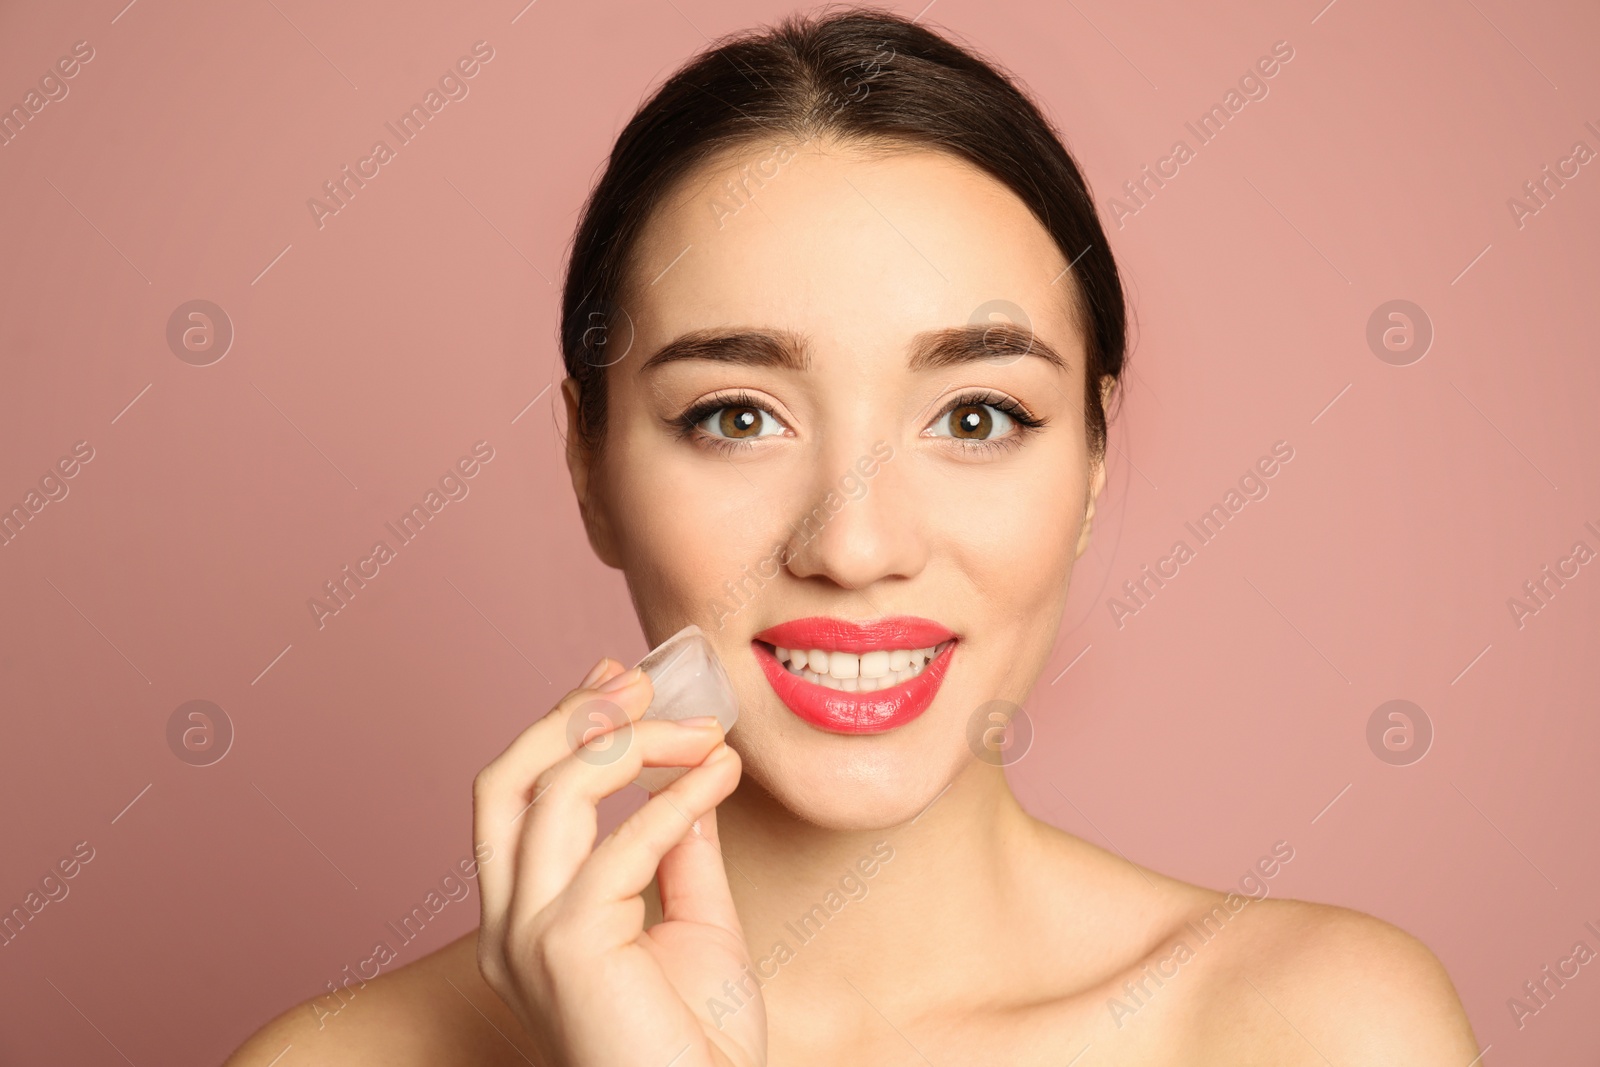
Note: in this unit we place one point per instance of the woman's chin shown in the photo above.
(848, 785)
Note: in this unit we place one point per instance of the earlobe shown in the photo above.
(581, 465)
(1097, 482)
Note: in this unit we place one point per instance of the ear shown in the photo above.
(1097, 469)
(582, 465)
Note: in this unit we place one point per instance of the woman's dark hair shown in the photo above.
(860, 76)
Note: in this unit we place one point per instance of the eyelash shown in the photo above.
(1026, 421)
(687, 424)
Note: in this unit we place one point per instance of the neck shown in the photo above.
(875, 905)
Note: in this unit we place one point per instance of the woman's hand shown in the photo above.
(562, 939)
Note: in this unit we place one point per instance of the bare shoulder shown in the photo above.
(1313, 983)
(436, 1010)
(1198, 975)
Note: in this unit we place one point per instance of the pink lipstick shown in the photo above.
(856, 677)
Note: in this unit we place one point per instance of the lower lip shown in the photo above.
(855, 713)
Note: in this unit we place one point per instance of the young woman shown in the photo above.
(841, 328)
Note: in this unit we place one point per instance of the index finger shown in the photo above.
(503, 791)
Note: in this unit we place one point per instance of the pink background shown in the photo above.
(372, 352)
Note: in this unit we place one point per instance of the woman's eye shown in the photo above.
(740, 422)
(973, 422)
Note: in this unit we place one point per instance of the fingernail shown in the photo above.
(594, 674)
(699, 720)
(621, 681)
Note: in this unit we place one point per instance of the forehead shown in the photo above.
(851, 250)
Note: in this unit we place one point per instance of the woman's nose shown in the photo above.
(854, 523)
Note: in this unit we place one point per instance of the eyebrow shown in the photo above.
(930, 350)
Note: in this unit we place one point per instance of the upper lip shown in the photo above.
(846, 635)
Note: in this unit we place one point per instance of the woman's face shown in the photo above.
(838, 463)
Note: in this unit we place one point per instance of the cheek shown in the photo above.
(685, 527)
(1018, 535)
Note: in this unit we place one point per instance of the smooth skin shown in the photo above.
(987, 936)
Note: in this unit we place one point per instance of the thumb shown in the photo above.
(693, 882)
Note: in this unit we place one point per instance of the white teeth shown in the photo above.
(864, 672)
